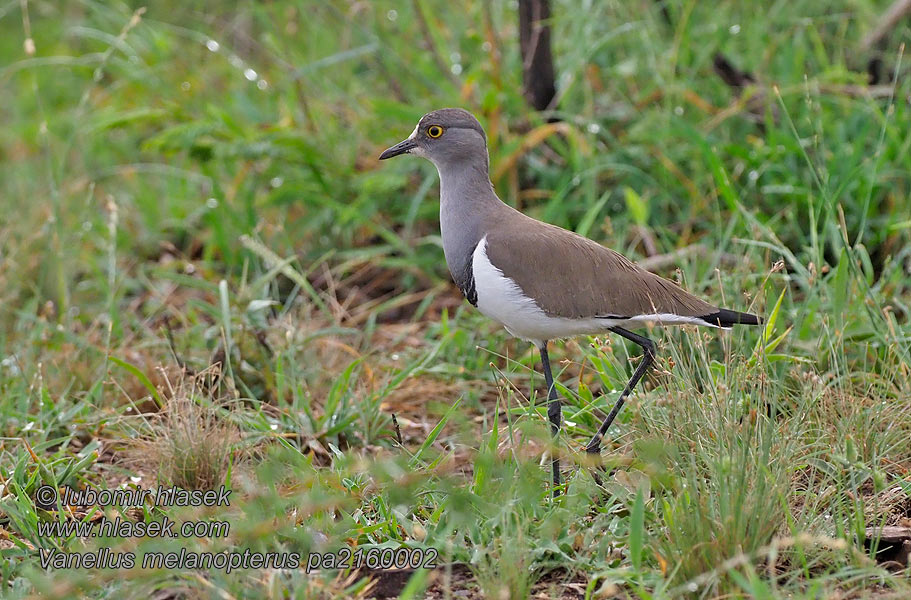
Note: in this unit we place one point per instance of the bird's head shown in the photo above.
(444, 137)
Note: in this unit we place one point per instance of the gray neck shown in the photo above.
(467, 201)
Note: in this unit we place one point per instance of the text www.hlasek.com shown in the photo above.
(104, 528)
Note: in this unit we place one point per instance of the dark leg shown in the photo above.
(594, 446)
(554, 411)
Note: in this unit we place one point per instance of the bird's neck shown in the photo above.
(467, 202)
(465, 186)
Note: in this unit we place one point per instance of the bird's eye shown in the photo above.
(434, 131)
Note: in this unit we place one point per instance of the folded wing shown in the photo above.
(571, 276)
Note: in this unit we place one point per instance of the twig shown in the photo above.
(740, 82)
(876, 39)
(398, 432)
(173, 347)
(538, 75)
(730, 74)
(648, 240)
(857, 91)
(898, 10)
(665, 12)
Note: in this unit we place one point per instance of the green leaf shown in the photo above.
(763, 345)
(721, 178)
(840, 285)
(143, 379)
(482, 464)
(637, 530)
(434, 433)
(416, 586)
(588, 219)
(637, 207)
(770, 347)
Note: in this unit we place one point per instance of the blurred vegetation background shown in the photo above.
(190, 185)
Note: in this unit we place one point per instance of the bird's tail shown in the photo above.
(726, 318)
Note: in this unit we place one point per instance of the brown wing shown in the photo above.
(571, 276)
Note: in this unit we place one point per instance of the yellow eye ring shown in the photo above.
(434, 131)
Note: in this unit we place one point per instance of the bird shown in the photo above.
(540, 281)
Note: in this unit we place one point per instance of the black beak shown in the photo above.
(403, 147)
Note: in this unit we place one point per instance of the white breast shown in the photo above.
(501, 299)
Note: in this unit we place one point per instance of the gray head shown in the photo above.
(445, 137)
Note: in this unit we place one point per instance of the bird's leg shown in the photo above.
(554, 411)
(594, 446)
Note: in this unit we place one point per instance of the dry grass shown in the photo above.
(191, 442)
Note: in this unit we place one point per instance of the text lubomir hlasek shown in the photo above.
(160, 496)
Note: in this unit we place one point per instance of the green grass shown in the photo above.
(183, 188)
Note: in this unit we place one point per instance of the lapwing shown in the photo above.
(542, 282)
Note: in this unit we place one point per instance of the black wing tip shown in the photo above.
(726, 318)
